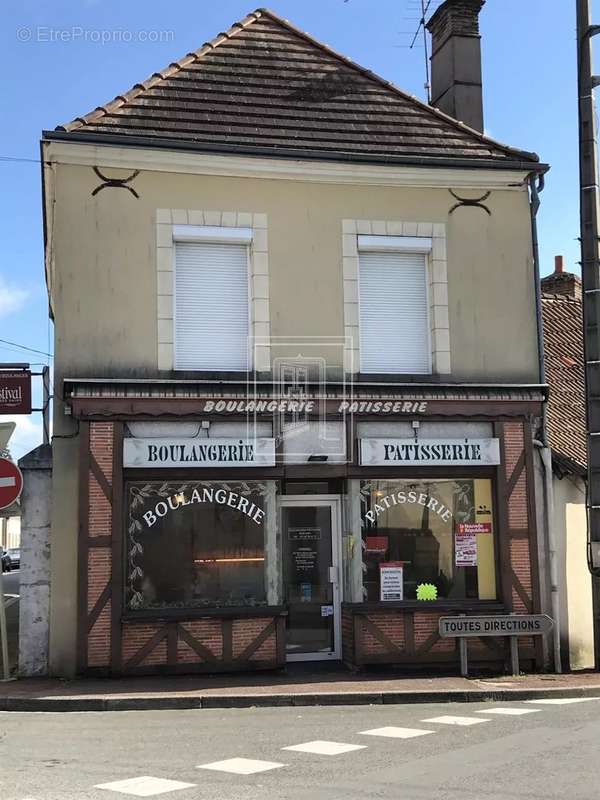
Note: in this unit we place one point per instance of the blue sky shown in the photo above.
(55, 67)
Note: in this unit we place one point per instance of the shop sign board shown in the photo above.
(384, 452)
(194, 453)
(500, 625)
(391, 574)
(15, 392)
(11, 482)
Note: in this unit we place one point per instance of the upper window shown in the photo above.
(211, 298)
(394, 305)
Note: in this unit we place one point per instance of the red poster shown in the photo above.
(472, 528)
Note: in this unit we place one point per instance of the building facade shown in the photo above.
(292, 418)
(562, 310)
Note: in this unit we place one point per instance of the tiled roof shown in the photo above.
(565, 374)
(265, 87)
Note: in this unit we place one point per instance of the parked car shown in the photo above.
(6, 561)
(15, 557)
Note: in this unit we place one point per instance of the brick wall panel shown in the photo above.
(99, 573)
(98, 646)
(207, 632)
(245, 631)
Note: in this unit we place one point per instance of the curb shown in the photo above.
(196, 702)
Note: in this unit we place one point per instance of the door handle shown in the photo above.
(333, 575)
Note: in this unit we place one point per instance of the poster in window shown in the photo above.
(466, 550)
(391, 584)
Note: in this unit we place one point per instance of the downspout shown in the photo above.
(536, 185)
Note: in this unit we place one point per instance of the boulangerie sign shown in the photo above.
(171, 453)
(384, 452)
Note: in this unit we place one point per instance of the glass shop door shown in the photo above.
(310, 530)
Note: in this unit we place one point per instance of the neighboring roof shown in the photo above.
(265, 87)
(565, 375)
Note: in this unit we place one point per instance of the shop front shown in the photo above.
(218, 535)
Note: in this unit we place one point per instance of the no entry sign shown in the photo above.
(11, 482)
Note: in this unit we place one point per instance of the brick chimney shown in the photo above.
(566, 284)
(456, 82)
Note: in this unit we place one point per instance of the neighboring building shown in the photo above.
(297, 367)
(565, 374)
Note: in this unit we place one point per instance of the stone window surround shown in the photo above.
(260, 325)
(437, 283)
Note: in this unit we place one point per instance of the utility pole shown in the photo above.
(590, 267)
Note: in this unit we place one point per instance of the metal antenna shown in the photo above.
(425, 4)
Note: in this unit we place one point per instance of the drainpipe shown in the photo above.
(536, 185)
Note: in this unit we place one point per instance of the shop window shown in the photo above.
(394, 305)
(428, 539)
(197, 544)
(211, 295)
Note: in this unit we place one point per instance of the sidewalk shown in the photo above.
(297, 686)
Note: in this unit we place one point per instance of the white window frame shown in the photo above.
(236, 227)
(378, 236)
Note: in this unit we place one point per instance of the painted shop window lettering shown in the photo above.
(198, 544)
(437, 533)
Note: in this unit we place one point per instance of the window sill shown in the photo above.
(481, 606)
(183, 614)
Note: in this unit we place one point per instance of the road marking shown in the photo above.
(324, 748)
(241, 766)
(562, 701)
(509, 712)
(450, 720)
(144, 786)
(396, 733)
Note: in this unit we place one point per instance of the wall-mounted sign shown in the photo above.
(15, 392)
(391, 580)
(500, 625)
(188, 453)
(429, 452)
(313, 406)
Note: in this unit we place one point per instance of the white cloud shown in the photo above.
(28, 433)
(12, 298)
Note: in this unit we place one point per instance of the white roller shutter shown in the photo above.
(394, 314)
(211, 306)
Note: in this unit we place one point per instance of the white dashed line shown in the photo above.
(144, 786)
(323, 748)
(241, 766)
(509, 712)
(450, 720)
(396, 733)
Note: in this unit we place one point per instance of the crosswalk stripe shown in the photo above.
(451, 720)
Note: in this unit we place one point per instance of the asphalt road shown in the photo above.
(550, 752)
